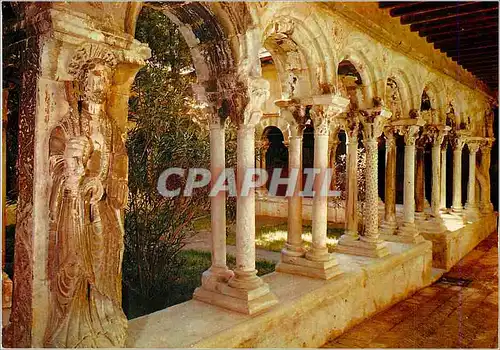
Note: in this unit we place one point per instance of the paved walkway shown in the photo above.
(458, 311)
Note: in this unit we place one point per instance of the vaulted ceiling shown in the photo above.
(467, 32)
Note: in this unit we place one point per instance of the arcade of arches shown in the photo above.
(306, 84)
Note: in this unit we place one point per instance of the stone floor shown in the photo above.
(458, 311)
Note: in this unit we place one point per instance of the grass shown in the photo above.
(273, 237)
(181, 288)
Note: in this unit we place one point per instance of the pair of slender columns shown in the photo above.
(369, 244)
(407, 231)
(316, 262)
(241, 290)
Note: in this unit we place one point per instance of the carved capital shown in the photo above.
(473, 146)
(457, 143)
(374, 122)
(390, 139)
(410, 134)
(258, 93)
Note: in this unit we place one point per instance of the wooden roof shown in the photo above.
(467, 32)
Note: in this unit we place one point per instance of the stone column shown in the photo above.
(486, 206)
(351, 207)
(370, 244)
(245, 292)
(319, 250)
(471, 207)
(444, 148)
(457, 145)
(333, 156)
(318, 262)
(218, 271)
(420, 181)
(407, 231)
(262, 148)
(294, 245)
(389, 224)
(436, 134)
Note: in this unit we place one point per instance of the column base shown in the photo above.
(434, 225)
(486, 209)
(293, 251)
(302, 266)
(406, 233)
(371, 249)
(388, 227)
(457, 210)
(420, 216)
(215, 290)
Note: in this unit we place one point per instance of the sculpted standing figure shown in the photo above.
(89, 190)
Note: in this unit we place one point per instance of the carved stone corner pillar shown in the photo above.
(52, 182)
(458, 144)
(407, 231)
(370, 244)
(245, 292)
(471, 207)
(485, 206)
(389, 224)
(318, 262)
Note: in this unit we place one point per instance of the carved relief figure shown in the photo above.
(394, 98)
(88, 163)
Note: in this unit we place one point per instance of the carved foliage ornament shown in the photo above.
(88, 167)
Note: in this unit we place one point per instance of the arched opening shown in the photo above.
(350, 83)
(400, 168)
(425, 102)
(276, 156)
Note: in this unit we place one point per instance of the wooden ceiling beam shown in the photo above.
(477, 50)
(466, 44)
(450, 34)
(425, 7)
(461, 36)
(453, 20)
(446, 12)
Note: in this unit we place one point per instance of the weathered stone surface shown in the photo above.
(308, 312)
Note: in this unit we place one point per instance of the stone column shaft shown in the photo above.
(457, 178)
(389, 223)
(409, 185)
(443, 178)
(419, 183)
(351, 210)
(294, 239)
(472, 211)
(436, 178)
(319, 250)
(333, 156)
(371, 196)
(218, 202)
(245, 273)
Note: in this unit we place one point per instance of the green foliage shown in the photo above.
(181, 289)
(167, 133)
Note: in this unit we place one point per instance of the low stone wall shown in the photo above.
(278, 207)
(309, 311)
(450, 246)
